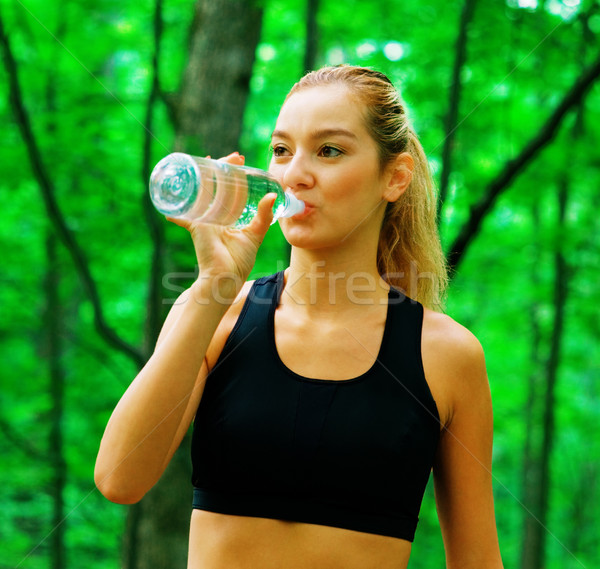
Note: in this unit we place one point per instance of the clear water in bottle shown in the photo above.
(216, 192)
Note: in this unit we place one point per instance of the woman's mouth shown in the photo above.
(308, 208)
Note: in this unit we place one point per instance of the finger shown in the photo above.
(234, 158)
(264, 216)
(185, 223)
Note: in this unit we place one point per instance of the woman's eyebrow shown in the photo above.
(320, 133)
(326, 132)
(280, 134)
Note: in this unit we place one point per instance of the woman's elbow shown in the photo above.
(116, 490)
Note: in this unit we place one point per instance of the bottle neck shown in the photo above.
(292, 205)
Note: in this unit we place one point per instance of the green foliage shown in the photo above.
(85, 70)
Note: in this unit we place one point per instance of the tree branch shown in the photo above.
(48, 194)
(513, 167)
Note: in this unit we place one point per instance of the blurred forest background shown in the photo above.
(505, 95)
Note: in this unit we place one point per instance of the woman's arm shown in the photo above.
(463, 468)
(155, 412)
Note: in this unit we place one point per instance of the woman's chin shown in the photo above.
(309, 239)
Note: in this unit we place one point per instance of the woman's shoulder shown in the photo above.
(454, 363)
(449, 337)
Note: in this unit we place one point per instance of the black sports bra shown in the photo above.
(353, 454)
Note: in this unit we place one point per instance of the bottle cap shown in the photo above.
(293, 206)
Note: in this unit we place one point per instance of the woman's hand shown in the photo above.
(227, 254)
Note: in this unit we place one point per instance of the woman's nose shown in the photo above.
(298, 173)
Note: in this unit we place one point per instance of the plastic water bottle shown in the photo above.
(215, 192)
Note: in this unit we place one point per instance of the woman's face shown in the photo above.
(324, 155)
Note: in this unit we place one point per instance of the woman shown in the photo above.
(322, 396)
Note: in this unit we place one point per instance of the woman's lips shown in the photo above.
(308, 208)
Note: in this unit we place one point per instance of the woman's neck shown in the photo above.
(332, 282)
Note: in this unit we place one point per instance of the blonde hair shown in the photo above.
(409, 255)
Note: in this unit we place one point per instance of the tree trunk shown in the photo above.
(454, 103)
(52, 320)
(155, 310)
(216, 81)
(209, 113)
(535, 525)
(162, 519)
(530, 466)
(560, 300)
(312, 36)
(54, 316)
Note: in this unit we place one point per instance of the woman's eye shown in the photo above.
(330, 152)
(279, 151)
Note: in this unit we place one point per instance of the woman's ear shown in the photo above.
(399, 176)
